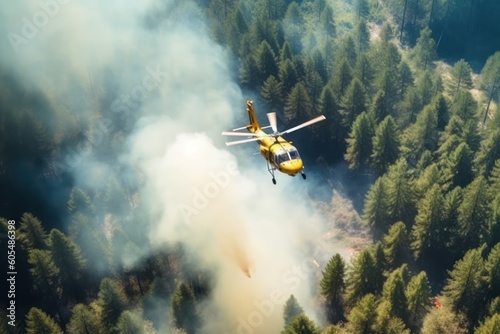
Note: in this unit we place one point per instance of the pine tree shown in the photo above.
(491, 325)
(492, 266)
(386, 323)
(394, 292)
(473, 213)
(67, 256)
(396, 245)
(465, 284)
(363, 316)
(405, 77)
(461, 76)
(359, 278)
(184, 309)
(342, 77)
(418, 294)
(490, 80)
(288, 75)
(113, 301)
(298, 102)
(130, 323)
(375, 208)
(425, 49)
(353, 102)
(332, 287)
(364, 71)
(266, 61)
(302, 325)
(426, 233)
(385, 145)
(362, 36)
(443, 320)
(458, 169)
(291, 310)
(359, 142)
(379, 267)
(327, 23)
(400, 193)
(80, 202)
(488, 153)
(83, 320)
(272, 93)
(38, 322)
(314, 85)
(422, 135)
(464, 105)
(44, 272)
(31, 233)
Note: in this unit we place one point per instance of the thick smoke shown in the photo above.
(171, 87)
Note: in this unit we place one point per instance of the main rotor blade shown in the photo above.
(303, 125)
(272, 120)
(236, 142)
(240, 134)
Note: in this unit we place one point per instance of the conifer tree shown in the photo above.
(376, 206)
(386, 323)
(443, 320)
(130, 323)
(490, 80)
(342, 77)
(31, 233)
(490, 325)
(80, 202)
(458, 169)
(488, 153)
(492, 266)
(272, 93)
(362, 317)
(67, 256)
(394, 292)
(38, 322)
(360, 142)
(84, 320)
(44, 272)
(400, 193)
(364, 71)
(425, 49)
(113, 301)
(184, 309)
(464, 289)
(332, 287)
(461, 76)
(291, 310)
(353, 102)
(385, 145)
(418, 294)
(266, 61)
(359, 277)
(473, 213)
(288, 75)
(298, 102)
(302, 325)
(396, 245)
(426, 232)
(405, 77)
(464, 105)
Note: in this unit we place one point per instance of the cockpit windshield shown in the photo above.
(294, 154)
(289, 155)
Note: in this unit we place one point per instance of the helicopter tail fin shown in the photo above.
(254, 124)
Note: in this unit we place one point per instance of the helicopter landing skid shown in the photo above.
(271, 169)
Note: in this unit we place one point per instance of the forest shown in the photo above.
(410, 90)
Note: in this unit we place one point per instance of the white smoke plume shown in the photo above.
(173, 86)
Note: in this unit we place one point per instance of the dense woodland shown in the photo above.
(410, 91)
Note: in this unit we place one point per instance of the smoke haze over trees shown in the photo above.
(131, 216)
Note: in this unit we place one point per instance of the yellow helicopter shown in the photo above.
(280, 154)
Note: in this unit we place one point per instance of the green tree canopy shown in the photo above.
(38, 322)
(291, 310)
(332, 287)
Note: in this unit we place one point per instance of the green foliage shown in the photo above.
(425, 50)
(394, 293)
(427, 230)
(488, 153)
(302, 325)
(492, 266)
(332, 287)
(297, 102)
(363, 316)
(461, 76)
(490, 325)
(291, 310)
(396, 245)
(83, 320)
(474, 212)
(401, 193)
(113, 301)
(375, 212)
(43, 270)
(272, 93)
(38, 322)
(359, 280)
(359, 143)
(67, 256)
(31, 233)
(130, 323)
(443, 320)
(465, 286)
(418, 294)
(490, 80)
(184, 309)
(385, 145)
(80, 202)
